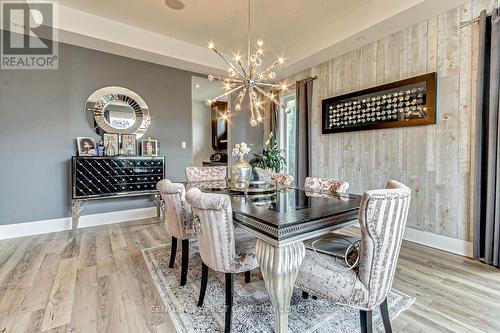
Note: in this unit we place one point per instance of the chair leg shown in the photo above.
(173, 251)
(305, 295)
(247, 277)
(366, 321)
(204, 281)
(229, 302)
(384, 309)
(185, 260)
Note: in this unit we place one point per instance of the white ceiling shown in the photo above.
(304, 32)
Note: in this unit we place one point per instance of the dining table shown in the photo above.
(281, 219)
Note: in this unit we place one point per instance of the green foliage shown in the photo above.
(271, 156)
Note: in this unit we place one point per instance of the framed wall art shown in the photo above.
(410, 102)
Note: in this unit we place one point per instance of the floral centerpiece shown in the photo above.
(241, 171)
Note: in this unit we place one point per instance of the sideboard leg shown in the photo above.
(157, 200)
(76, 209)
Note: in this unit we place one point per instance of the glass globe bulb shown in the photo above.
(208, 102)
(258, 61)
(253, 57)
(211, 45)
(272, 75)
(260, 42)
(211, 78)
(288, 110)
(253, 122)
(237, 107)
(253, 95)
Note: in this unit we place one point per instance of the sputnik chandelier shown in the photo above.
(248, 80)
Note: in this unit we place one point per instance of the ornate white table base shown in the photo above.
(280, 267)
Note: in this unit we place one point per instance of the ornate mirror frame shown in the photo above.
(97, 102)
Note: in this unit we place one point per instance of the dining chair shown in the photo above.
(223, 247)
(200, 174)
(325, 185)
(282, 179)
(178, 221)
(382, 218)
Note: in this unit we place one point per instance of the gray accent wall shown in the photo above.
(42, 114)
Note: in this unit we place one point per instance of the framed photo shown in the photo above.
(111, 144)
(149, 147)
(86, 146)
(129, 145)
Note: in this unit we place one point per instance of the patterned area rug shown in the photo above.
(252, 309)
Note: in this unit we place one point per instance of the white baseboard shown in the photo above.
(460, 247)
(61, 224)
(457, 246)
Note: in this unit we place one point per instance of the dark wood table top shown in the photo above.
(288, 213)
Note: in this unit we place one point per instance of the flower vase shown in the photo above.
(241, 173)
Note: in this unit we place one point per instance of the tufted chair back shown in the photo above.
(382, 217)
(201, 174)
(216, 230)
(325, 185)
(177, 213)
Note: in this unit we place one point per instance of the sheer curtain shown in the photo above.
(486, 212)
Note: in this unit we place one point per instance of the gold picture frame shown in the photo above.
(149, 147)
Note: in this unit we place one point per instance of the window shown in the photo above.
(287, 131)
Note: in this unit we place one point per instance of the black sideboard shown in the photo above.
(96, 178)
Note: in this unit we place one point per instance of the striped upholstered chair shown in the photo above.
(325, 185)
(202, 174)
(382, 218)
(223, 247)
(178, 221)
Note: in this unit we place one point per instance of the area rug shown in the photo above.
(252, 309)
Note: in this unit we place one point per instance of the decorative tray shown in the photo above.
(253, 187)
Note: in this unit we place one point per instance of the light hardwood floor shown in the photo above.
(100, 283)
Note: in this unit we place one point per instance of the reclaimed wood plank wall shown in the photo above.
(435, 161)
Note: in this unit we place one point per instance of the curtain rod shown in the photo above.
(466, 23)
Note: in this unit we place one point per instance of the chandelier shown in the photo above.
(245, 77)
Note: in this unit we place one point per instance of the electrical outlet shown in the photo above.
(183, 144)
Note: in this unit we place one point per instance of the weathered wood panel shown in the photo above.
(434, 160)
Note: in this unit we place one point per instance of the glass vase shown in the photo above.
(241, 173)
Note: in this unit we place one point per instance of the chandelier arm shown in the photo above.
(272, 98)
(252, 116)
(241, 96)
(228, 92)
(228, 62)
(242, 68)
(222, 79)
(271, 67)
(265, 84)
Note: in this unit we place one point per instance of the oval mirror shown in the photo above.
(119, 115)
(117, 110)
